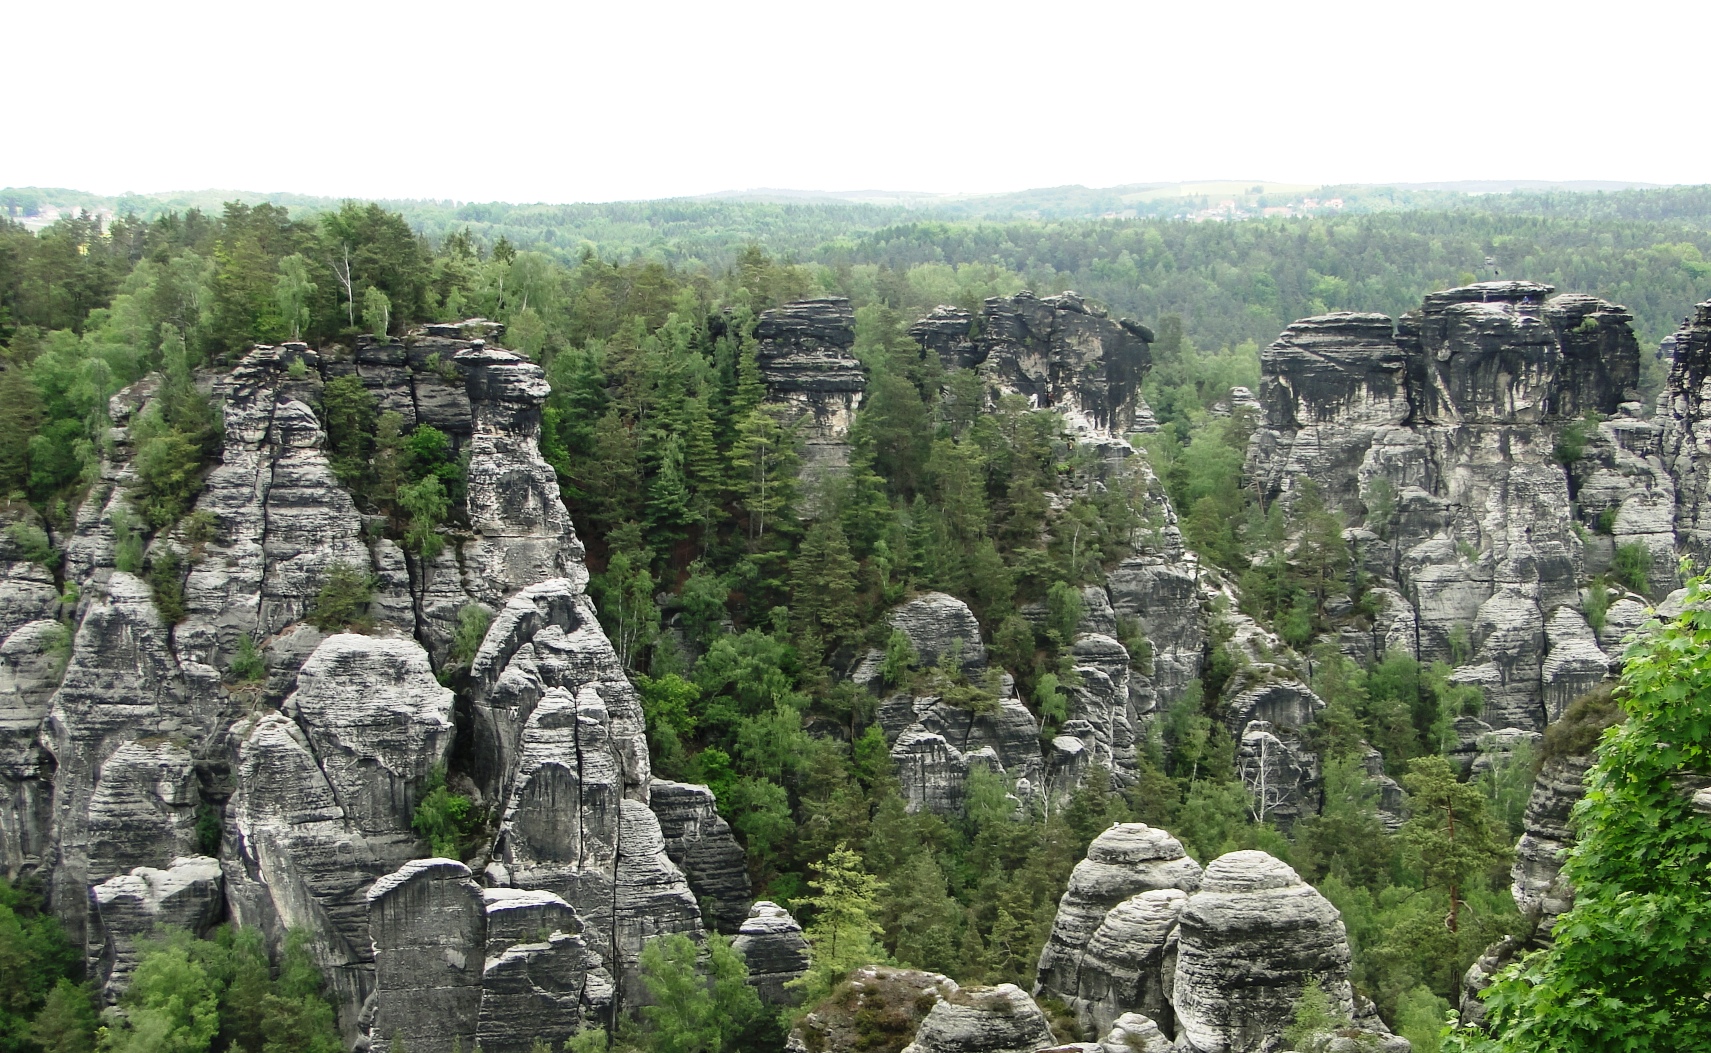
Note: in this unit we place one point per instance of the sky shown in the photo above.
(516, 100)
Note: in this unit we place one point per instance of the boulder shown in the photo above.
(700, 842)
(185, 895)
(1000, 1019)
(1127, 859)
(938, 625)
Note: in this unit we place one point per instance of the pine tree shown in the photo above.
(823, 585)
(1450, 835)
(841, 936)
(764, 466)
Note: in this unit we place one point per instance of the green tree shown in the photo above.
(426, 505)
(842, 934)
(1450, 836)
(693, 1009)
(293, 292)
(341, 605)
(823, 585)
(348, 411)
(1627, 968)
(35, 957)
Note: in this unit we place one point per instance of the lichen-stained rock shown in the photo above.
(548, 636)
(120, 684)
(185, 895)
(772, 945)
(1540, 889)
(1135, 1033)
(1000, 1019)
(31, 657)
(535, 984)
(523, 532)
(1250, 940)
(895, 999)
(1442, 441)
(1128, 961)
(1685, 406)
(292, 861)
(1059, 352)
(932, 775)
(700, 842)
(429, 926)
(1162, 595)
(1128, 859)
(805, 357)
(378, 722)
(569, 829)
(938, 625)
(1102, 699)
(143, 810)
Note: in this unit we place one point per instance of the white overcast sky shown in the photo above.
(573, 101)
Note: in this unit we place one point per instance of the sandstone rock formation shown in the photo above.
(1443, 436)
(1125, 861)
(805, 358)
(1059, 352)
(1251, 939)
(1000, 1019)
(772, 944)
(308, 780)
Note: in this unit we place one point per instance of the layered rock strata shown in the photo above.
(1251, 940)
(1000, 1019)
(1058, 352)
(772, 944)
(804, 350)
(309, 778)
(1454, 438)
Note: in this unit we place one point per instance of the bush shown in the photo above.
(426, 504)
(35, 956)
(166, 581)
(473, 621)
(445, 819)
(1632, 566)
(248, 664)
(342, 603)
(33, 544)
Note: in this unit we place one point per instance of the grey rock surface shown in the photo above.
(805, 356)
(700, 842)
(772, 944)
(186, 895)
(1000, 1019)
(1251, 938)
(1129, 962)
(938, 625)
(429, 926)
(1124, 861)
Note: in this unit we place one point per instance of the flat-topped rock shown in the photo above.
(772, 944)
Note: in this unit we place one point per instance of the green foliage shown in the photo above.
(341, 605)
(348, 411)
(1313, 1020)
(444, 818)
(33, 544)
(190, 995)
(166, 582)
(845, 922)
(247, 664)
(1632, 566)
(35, 957)
(1572, 439)
(1596, 605)
(1627, 969)
(1450, 836)
(426, 504)
(696, 1008)
(473, 621)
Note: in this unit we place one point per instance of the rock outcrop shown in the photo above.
(307, 781)
(1000, 1019)
(1251, 939)
(1455, 439)
(1126, 861)
(772, 944)
(1059, 352)
(804, 353)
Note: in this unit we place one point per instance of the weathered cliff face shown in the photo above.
(1685, 407)
(772, 945)
(1446, 439)
(1059, 352)
(804, 353)
(311, 777)
(1217, 960)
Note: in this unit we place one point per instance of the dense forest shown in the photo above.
(738, 595)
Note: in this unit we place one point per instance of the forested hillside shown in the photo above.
(742, 595)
